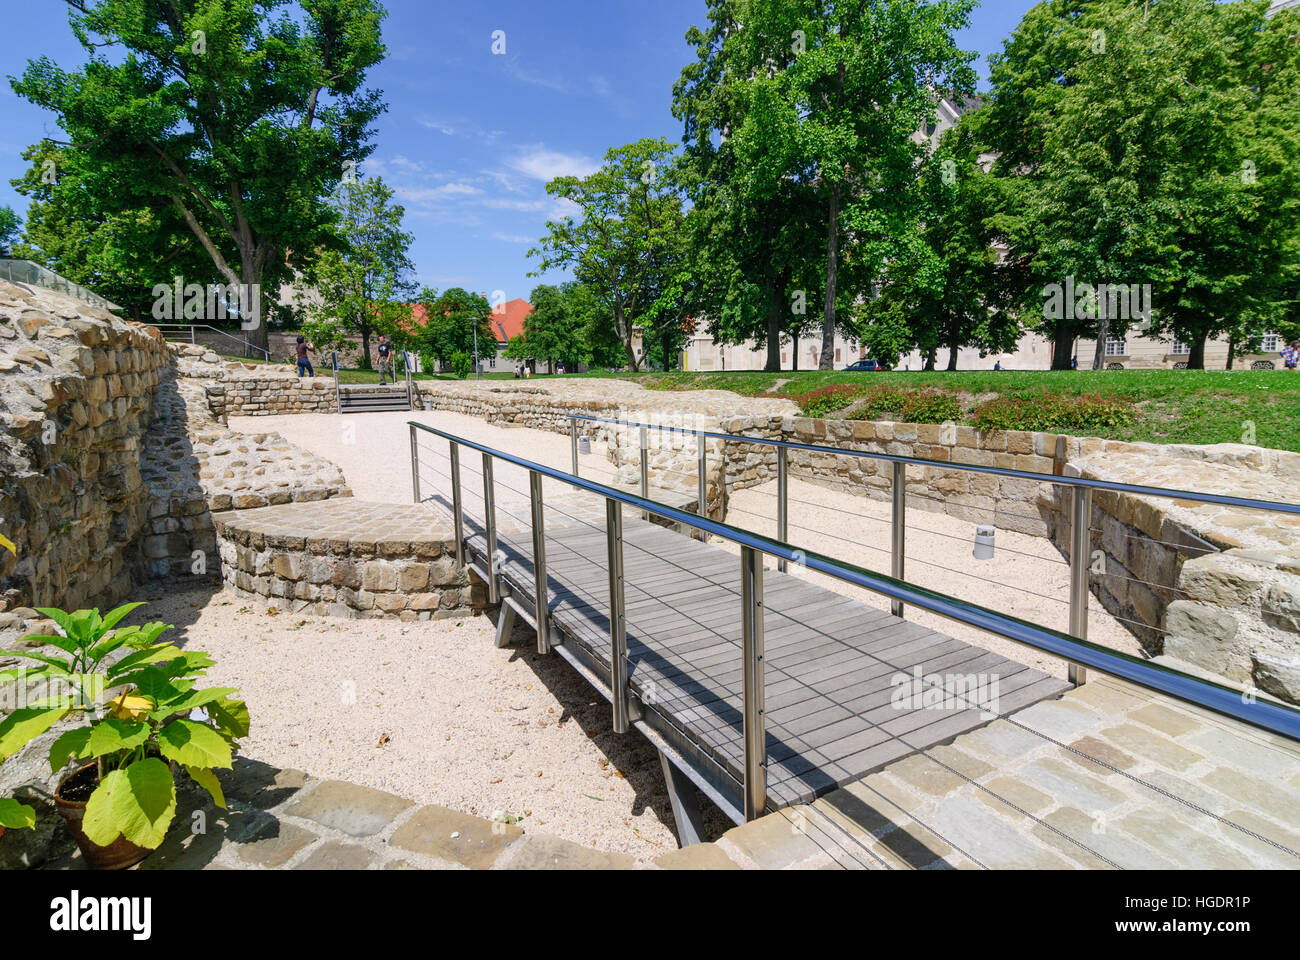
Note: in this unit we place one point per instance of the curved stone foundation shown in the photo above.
(348, 558)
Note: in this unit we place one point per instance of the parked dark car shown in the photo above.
(867, 364)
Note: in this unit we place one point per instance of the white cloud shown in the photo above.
(428, 195)
(545, 165)
(513, 238)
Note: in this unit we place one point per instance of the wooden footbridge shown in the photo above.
(759, 687)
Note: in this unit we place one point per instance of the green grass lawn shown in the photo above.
(1172, 406)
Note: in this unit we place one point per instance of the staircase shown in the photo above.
(374, 399)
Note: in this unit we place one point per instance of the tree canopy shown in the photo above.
(242, 116)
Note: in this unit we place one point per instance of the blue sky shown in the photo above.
(470, 138)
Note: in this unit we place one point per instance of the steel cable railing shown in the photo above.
(919, 749)
(1276, 717)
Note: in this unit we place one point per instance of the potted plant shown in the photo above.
(120, 801)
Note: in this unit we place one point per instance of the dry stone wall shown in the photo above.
(76, 399)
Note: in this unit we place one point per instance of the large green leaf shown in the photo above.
(112, 735)
(152, 683)
(209, 782)
(230, 716)
(155, 654)
(113, 616)
(71, 743)
(59, 617)
(193, 744)
(137, 803)
(21, 726)
(61, 666)
(15, 815)
(195, 698)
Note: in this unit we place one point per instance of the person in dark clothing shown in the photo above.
(385, 352)
(304, 363)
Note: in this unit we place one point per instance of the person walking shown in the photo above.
(302, 348)
(385, 353)
(1291, 355)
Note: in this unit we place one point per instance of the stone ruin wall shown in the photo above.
(76, 398)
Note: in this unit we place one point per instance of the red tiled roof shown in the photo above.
(507, 319)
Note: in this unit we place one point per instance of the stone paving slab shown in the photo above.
(1107, 776)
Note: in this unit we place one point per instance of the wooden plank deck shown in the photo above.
(832, 663)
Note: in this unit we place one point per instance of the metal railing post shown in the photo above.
(457, 514)
(1080, 518)
(782, 503)
(898, 531)
(490, 529)
(541, 606)
(415, 467)
(617, 617)
(645, 468)
(573, 444)
(755, 724)
(338, 397)
(702, 466)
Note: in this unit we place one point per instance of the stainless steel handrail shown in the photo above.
(1266, 715)
(191, 327)
(1080, 513)
(338, 394)
(1220, 499)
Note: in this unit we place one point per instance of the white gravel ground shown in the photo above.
(487, 730)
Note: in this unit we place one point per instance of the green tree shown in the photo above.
(943, 288)
(120, 255)
(241, 115)
(449, 323)
(1142, 144)
(361, 279)
(630, 217)
(749, 231)
(842, 116)
(555, 330)
(10, 228)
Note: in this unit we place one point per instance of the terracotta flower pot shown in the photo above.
(118, 855)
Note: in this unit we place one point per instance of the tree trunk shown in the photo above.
(1232, 351)
(953, 347)
(627, 335)
(364, 330)
(774, 313)
(250, 276)
(827, 360)
(1062, 348)
(1196, 359)
(930, 356)
(1099, 355)
(794, 352)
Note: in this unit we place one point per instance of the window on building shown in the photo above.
(1116, 348)
(492, 361)
(837, 354)
(1270, 343)
(1180, 348)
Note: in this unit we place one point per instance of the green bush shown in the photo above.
(462, 365)
(1046, 411)
(824, 400)
(882, 402)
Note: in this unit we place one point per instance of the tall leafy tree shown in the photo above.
(841, 118)
(555, 330)
(10, 228)
(361, 280)
(942, 289)
(121, 255)
(451, 321)
(627, 230)
(1148, 143)
(242, 115)
(749, 231)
